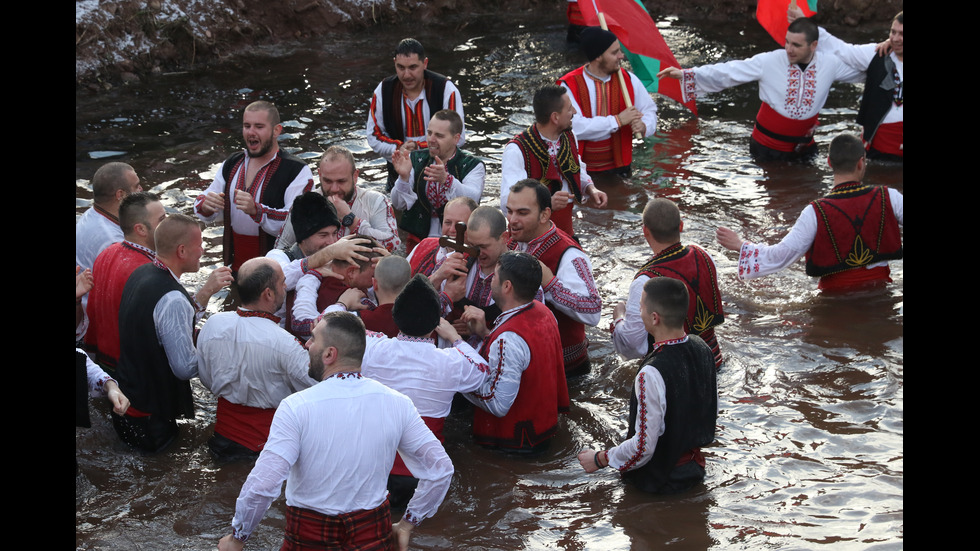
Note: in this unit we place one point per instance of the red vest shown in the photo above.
(424, 256)
(533, 417)
(110, 272)
(380, 320)
(856, 226)
(617, 150)
(575, 345)
(693, 266)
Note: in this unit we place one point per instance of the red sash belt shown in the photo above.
(368, 530)
(245, 425)
(435, 424)
(889, 139)
(780, 133)
(850, 280)
(246, 247)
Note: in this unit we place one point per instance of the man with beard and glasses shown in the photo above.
(254, 188)
(361, 211)
(336, 473)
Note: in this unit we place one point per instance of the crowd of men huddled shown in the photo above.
(362, 315)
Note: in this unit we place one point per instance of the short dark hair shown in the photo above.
(361, 264)
(522, 271)
(845, 152)
(806, 26)
(345, 332)
(453, 118)
(252, 282)
(268, 107)
(547, 100)
(669, 298)
(490, 217)
(132, 210)
(543, 194)
(409, 46)
(108, 179)
(662, 219)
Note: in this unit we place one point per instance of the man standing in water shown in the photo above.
(157, 356)
(99, 225)
(341, 502)
(547, 152)
(793, 85)
(254, 188)
(662, 226)
(403, 104)
(602, 123)
(674, 404)
(848, 237)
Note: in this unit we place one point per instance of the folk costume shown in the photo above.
(882, 110)
(518, 404)
(251, 364)
(427, 256)
(157, 356)
(423, 202)
(603, 144)
(274, 188)
(692, 265)
(572, 295)
(375, 219)
(314, 293)
(847, 245)
(111, 271)
(673, 409)
(95, 230)
(393, 119)
(791, 97)
(555, 164)
(343, 504)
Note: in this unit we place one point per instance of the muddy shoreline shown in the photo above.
(123, 41)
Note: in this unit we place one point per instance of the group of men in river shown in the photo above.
(489, 302)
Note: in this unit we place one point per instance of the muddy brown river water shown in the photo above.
(809, 447)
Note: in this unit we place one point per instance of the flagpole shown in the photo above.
(619, 73)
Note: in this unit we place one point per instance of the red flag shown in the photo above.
(772, 16)
(636, 30)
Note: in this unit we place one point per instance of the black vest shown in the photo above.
(688, 370)
(144, 373)
(391, 93)
(879, 92)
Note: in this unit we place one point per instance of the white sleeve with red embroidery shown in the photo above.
(651, 407)
(757, 260)
(217, 186)
(427, 460)
(377, 218)
(509, 357)
(573, 290)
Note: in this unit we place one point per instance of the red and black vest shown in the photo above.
(575, 345)
(691, 393)
(692, 265)
(856, 226)
(537, 159)
(882, 87)
(533, 418)
(277, 175)
(392, 91)
(617, 150)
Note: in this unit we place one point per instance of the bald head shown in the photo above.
(255, 276)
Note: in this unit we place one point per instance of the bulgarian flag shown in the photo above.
(642, 43)
(772, 16)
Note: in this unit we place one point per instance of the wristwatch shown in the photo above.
(348, 220)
